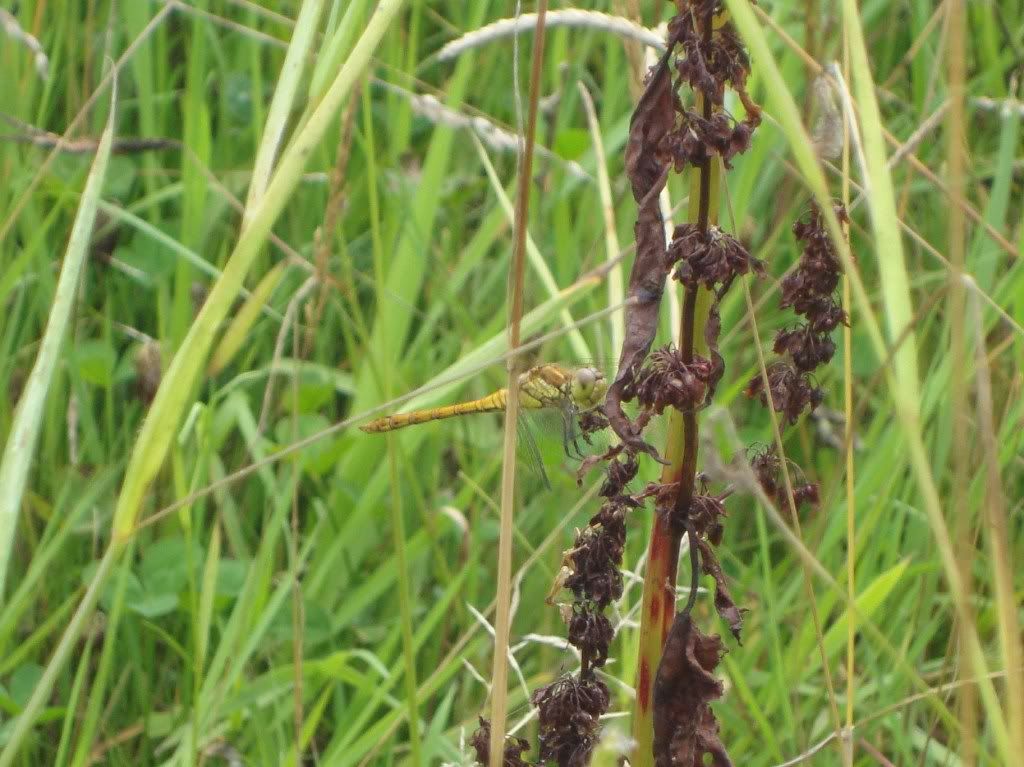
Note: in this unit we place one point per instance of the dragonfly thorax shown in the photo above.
(550, 385)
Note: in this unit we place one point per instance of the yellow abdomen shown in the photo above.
(493, 402)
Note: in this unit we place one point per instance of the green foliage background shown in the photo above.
(191, 654)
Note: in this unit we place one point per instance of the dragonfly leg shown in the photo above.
(577, 434)
(569, 437)
(580, 434)
(571, 434)
(566, 437)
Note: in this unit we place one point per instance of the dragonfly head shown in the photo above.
(588, 387)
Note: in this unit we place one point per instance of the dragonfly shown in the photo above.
(570, 391)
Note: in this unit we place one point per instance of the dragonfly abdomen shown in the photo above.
(489, 404)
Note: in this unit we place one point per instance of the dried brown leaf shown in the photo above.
(724, 604)
(685, 728)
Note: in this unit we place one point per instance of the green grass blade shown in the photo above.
(21, 443)
(176, 390)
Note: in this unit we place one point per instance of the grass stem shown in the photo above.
(517, 267)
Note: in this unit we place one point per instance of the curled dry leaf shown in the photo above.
(652, 121)
(685, 729)
(724, 604)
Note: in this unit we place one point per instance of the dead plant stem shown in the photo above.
(658, 604)
(499, 675)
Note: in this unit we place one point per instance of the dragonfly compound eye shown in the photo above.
(586, 378)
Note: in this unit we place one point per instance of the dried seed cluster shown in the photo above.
(810, 290)
(568, 711)
(713, 258)
(767, 468)
(704, 56)
(667, 380)
(595, 558)
(712, 59)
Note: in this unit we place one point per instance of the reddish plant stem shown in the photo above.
(691, 431)
(688, 469)
(658, 609)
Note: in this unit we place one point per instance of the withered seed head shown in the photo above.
(595, 562)
(810, 287)
(612, 517)
(815, 276)
(768, 471)
(706, 513)
(810, 290)
(568, 711)
(698, 139)
(708, 63)
(806, 493)
(807, 348)
(666, 380)
(765, 465)
(711, 62)
(591, 633)
(791, 391)
(620, 472)
(716, 258)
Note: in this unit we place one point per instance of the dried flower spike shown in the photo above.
(712, 259)
(666, 380)
(810, 291)
(591, 633)
(567, 711)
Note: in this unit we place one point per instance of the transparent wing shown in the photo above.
(555, 438)
(529, 451)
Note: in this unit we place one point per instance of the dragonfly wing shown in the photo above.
(531, 453)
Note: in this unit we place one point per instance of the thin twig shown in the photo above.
(431, 108)
(13, 30)
(563, 18)
(26, 194)
(517, 270)
(282, 335)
